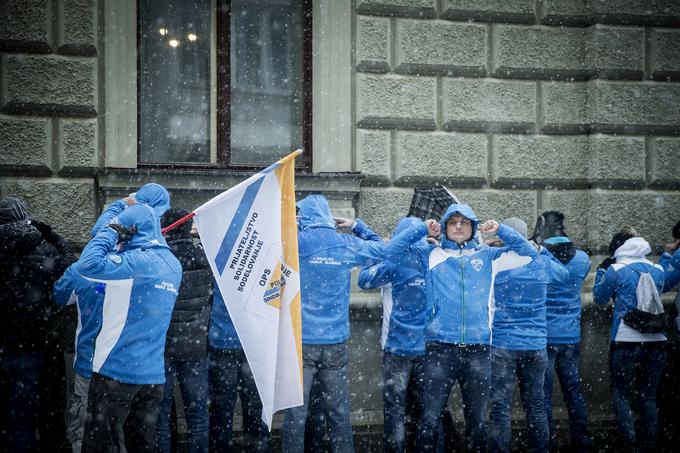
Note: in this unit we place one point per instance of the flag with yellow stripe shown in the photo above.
(249, 234)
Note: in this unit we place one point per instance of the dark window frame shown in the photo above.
(223, 122)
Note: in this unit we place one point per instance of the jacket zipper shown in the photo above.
(462, 295)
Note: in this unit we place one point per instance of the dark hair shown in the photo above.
(549, 224)
(171, 216)
(619, 238)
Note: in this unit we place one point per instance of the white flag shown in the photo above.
(249, 235)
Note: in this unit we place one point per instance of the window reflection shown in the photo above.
(178, 86)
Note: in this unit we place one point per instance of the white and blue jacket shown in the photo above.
(404, 297)
(519, 321)
(88, 295)
(563, 303)
(140, 288)
(460, 278)
(222, 333)
(619, 282)
(326, 260)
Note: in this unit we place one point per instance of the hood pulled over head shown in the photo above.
(314, 212)
(406, 223)
(635, 247)
(465, 211)
(147, 224)
(155, 196)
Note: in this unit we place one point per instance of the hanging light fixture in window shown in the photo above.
(192, 37)
(163, 31)
(173, 42)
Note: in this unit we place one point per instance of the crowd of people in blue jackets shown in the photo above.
(478, 304)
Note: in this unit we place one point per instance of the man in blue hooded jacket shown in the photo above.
(460, 276)
(563, 316)
(518, 344)
(140, 287)
(326, 260)
(230, 376)
(405, 316)
(73, 288)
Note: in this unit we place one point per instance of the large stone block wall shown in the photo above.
(522, 106)
(49, 106)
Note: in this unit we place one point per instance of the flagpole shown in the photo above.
(191, 215)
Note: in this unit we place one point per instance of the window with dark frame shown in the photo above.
(223, 83)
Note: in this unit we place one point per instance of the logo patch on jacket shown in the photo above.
(477, 264)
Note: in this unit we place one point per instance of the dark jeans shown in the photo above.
(230, 376)
(192, 376)
(446, 364)
(529, 367)
(121, 416)
(400, 407)
(19, 389)
(325, 365)
(565, 360)
(636, 366)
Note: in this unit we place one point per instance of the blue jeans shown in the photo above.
(19, 388)
(529, 366)
(565, 360)
(444, 365)
(326, 365)
(400, 407)
(230, 376)
(193, 382)
(636, 366)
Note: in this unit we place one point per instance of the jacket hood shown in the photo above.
(147, 224)
(465, 211)
(314, 213)
(406, 223)
(635, 247)
(19, 238)
(155, 196)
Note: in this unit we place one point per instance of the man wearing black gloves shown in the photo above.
(32, 257)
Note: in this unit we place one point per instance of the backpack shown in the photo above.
(649, 315)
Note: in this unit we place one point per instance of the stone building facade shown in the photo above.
(518, 106)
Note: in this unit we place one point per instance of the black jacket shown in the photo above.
(187, 336)
(29, 266)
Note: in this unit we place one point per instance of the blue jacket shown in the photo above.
(89, 296)
(326, 260)
(619, 282)
(519, 315)
(222, 333)
(671, 266)
(404, 296)
(140, 287)
(563, 302)
(151, 194)
(460, 278)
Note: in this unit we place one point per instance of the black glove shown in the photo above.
(124, 233)
(55, 239)
(606, 263)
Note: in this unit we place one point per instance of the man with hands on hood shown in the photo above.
(460, 274)
(326, 261)
(140, 287)
(405, 315)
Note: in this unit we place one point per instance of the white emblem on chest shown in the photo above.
(477, 264)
